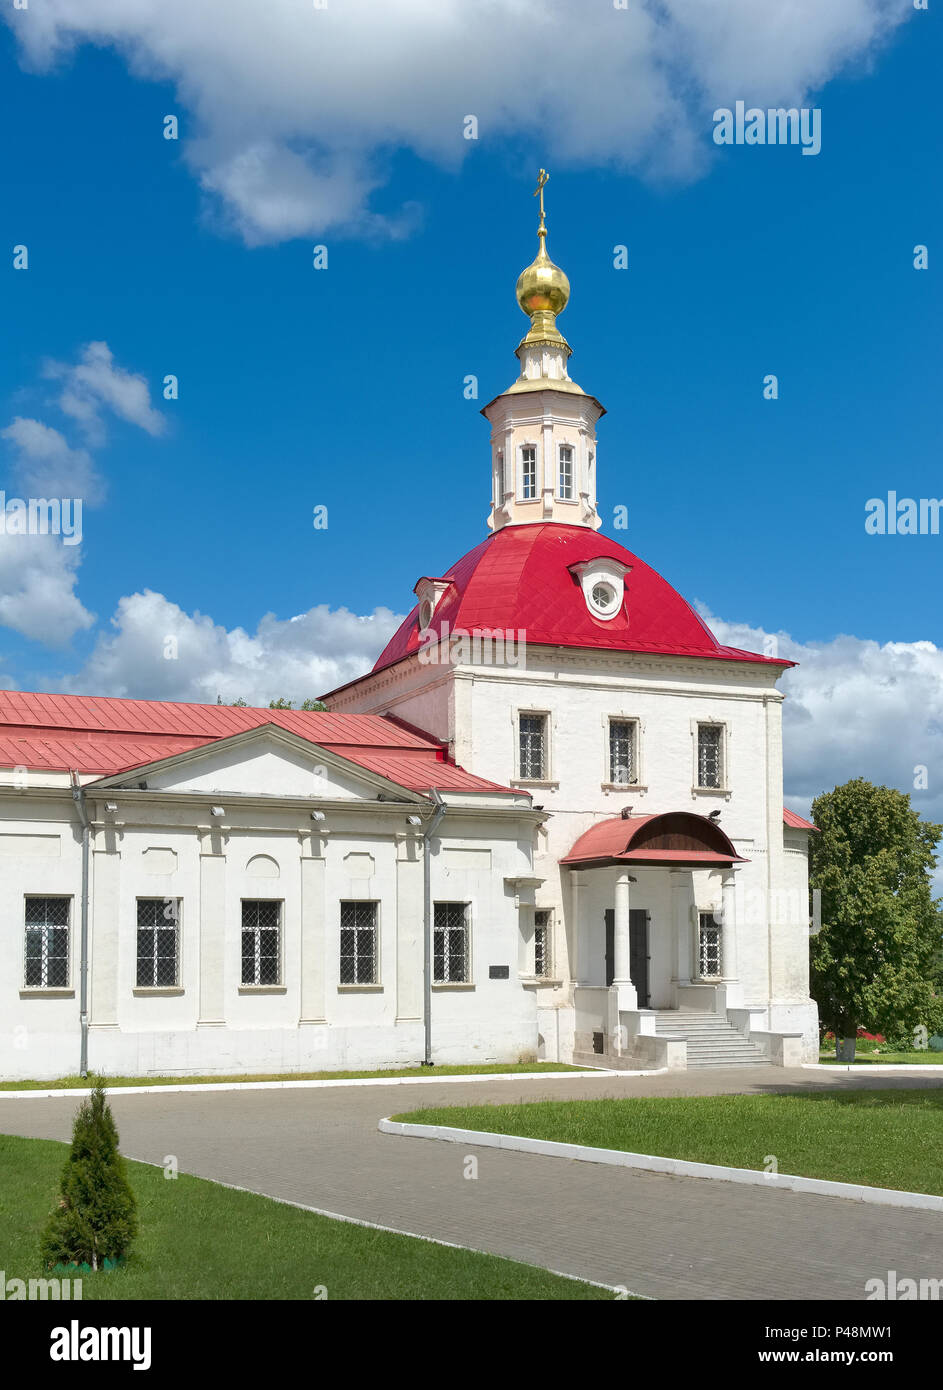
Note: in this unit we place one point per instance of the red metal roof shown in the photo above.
(104, 736)
(635, 840)
(520, 579)
(419, 774)
(796, 822)
(32, 711)
(105, 755)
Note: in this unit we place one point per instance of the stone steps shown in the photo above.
(712, 1040)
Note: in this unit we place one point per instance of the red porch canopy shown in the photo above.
(675, 837)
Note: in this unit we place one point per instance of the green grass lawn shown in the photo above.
(901, 1059)
(73, 1083)
(880, 1138)
(198, 1240)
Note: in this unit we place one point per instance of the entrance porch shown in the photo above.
(655, 947)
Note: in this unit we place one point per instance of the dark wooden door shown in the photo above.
(638, 954)
(638, 951)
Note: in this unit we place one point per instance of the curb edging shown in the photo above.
(678, 1167)
(393, 1080)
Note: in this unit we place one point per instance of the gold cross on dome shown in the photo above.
(542, 179)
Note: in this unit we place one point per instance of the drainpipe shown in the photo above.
(427, 925)
(78, 796)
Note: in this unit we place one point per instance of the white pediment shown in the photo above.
(258, 763)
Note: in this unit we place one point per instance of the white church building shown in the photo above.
(548, 824)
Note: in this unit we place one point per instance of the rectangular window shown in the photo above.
(450, 944)
(709, 947)
(528, 471)
(358, 943)
(566, 472)
(157, 942)
(623, 761)
(533, 747)
(542, 945)
(710, 769)
(47, 943)
(261, 932)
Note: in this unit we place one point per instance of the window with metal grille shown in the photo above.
(533, 747)
(542, 944)
(566, 472)
(261, 930)
(450, 943)
(710, 770)
(157, 954)
(622, 752)
(47, 943)
(528, 471)
(358, 943)
(710, 960)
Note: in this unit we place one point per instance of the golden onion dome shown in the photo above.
(543, 285)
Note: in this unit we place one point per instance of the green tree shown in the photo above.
(873, 960)
(305, 704)
(95, 1217)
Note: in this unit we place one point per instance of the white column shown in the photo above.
(573, 943)
(548, 469)
(620, 975)
(728, 934)
(681, 915)
(409, 928)
(623, 997)
(213, 930)
(313, 928)
(525, 900)
(105, 931)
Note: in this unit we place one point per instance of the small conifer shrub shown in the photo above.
(94, 1219)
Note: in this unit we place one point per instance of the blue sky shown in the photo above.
(344, 386)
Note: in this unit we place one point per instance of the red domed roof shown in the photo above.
(521, 578)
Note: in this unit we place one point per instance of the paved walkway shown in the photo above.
(667, 1237)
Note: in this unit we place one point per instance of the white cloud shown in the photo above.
(856, 708)
(47, 466)
(37, 589)
(38, 573)
(296, 659)
(95, 383)
(290, 111)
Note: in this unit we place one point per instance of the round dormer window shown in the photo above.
(602, 581)
(603, 597)
(425, 615)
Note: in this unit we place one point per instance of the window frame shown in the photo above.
(47, 989)
(713, 925)
(571, 495)
(467, 925)
(158, 988)
(257, 984)
(722, 787)
(546, 776)
(374, 983)
(546, 973)
(635, 725)
(522, 495)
